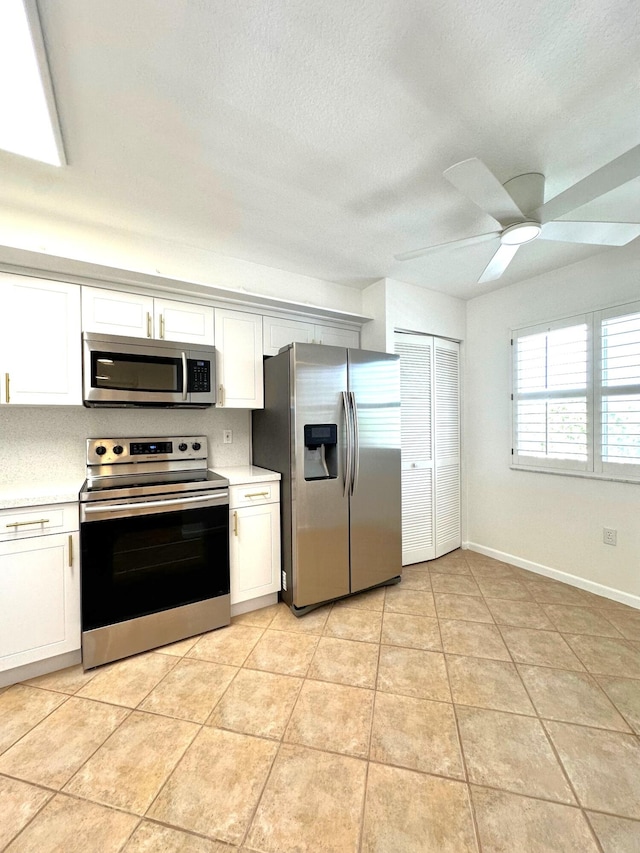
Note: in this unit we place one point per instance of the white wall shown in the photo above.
(551, 520)
(397, 305)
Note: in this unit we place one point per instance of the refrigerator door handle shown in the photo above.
(346, 488)
(356, 442)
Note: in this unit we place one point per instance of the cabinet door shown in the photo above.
(40, 342)
(254, 551)
(239, 360)
(335, 337)
(39, 578)
(183, 322)
(278, 333)
(116, 313)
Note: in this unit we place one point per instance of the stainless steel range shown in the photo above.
(154, 534)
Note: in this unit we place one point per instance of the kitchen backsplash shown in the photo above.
(45, 446)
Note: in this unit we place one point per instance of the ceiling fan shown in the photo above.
(519, 209)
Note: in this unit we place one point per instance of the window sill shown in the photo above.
(585, 475)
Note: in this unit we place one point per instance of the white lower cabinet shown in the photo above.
(39, 592)
(254, 529)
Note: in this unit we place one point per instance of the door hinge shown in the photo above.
(512, 451)
(511, 341)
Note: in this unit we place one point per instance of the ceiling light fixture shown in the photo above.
(28, 117)
(521, 232)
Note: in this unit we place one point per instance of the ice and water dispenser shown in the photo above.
(320, 451)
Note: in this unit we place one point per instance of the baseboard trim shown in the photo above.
(556, 574)
(254, 604)
(41, 667)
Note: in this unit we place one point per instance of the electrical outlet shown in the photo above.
(609, 536)
(227, 436)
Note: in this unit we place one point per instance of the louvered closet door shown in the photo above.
(430, 429)
(447, 445)
(416, 420)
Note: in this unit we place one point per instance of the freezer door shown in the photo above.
(320, 507)
(376, 530)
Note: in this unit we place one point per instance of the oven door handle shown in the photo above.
(223, 498)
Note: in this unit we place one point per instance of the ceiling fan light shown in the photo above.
(521, 232)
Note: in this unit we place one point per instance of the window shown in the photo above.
(576, 395)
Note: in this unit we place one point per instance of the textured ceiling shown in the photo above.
(312, 136)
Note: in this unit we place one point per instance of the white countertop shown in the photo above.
(241, 474)
(10, 499)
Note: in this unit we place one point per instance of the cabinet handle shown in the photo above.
(70, 551)
(148, 324)
(257, 495)
(221, 395)
(235, 523)
(23, 523)
(6, 387)
(162, 325)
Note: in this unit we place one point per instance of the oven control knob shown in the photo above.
(118, 449)
(101, 450)
(196, 445)
(182, 447)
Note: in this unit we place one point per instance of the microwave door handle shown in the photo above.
(184, 376)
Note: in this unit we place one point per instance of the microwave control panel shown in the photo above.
(199, 376)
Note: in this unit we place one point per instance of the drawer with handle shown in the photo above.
(37, 521)
(254, 494)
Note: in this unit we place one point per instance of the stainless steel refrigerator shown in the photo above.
(331, 427)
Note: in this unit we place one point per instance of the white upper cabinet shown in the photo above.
(239, 360)
(40, 342)
(332, 336)
(115, 313)
(129, 314)
(183, 322)
(279, 333)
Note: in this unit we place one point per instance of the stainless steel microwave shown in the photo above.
(120, 371)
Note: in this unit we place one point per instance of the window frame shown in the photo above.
(594, 466)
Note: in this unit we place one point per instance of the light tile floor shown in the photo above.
(474, 707)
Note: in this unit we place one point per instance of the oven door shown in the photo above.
(145, 556)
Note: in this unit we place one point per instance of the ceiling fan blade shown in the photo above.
(498, 263)
(614, 174)
(453, 244)
(598, 233)
(478, 183)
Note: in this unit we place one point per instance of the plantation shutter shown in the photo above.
(447, 445)
(618, 394)
(552, 395)
(418, 506)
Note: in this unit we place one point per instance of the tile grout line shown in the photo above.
(552, 745)
(472, 810)
(280, 742)
(555, 751)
